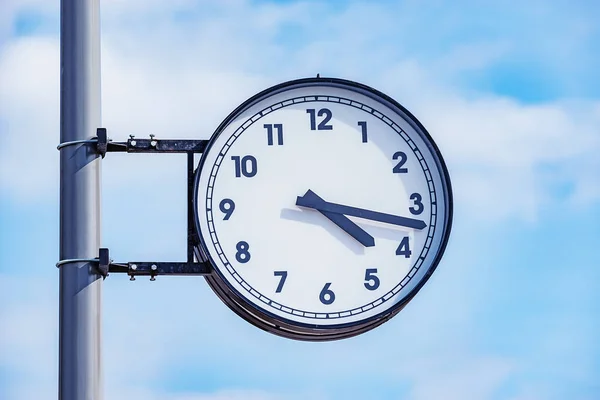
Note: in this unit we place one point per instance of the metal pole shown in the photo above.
(80, 363)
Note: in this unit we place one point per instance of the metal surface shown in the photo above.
(80, 361)
(192, 236)
(76, 142)
(158, 146)
(134, 145)
(75, 260)
(104, 265)
(153, 268)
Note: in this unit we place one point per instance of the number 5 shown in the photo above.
(371, 280)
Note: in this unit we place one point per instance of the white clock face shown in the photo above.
(322, 206)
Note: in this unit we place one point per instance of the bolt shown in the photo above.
(153, 267)
(133, 142)
(153, 143)
(133, 267)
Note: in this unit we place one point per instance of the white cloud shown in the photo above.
(180, 78)
(141, 394)
(11, 9)
(176, 330)
(177, 81)
(29, 118)
(471, 378)
(28, 337)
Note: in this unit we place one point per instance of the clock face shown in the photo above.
(323, 207)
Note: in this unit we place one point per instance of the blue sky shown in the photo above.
(508, 91)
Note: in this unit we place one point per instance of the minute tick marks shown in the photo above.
(360, 154)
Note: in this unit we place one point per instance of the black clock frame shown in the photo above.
(277, 325)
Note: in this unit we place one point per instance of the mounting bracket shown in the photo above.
(157, 146)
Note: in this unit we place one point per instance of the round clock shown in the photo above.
(323, 206)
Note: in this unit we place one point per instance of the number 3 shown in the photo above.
(418, 206)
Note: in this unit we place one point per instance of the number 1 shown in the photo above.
(363, 126)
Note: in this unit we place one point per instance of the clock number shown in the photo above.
(327, 296)
(398, 168)
(242, 254)
(283, 276)
(371, 280)
(418, 206)
(404, 249)
(245, 166)
(323, 126)
(227, 206)
(363, 127)
(279, 129)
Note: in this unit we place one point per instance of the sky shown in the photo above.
(510, 93)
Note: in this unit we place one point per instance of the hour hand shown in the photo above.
(344, 223)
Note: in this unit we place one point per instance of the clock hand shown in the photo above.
(349, 227)
(311, 200)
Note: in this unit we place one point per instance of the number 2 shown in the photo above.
(398, 168)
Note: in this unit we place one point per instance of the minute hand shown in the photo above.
(359, 212)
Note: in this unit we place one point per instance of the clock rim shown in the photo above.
(282, 326)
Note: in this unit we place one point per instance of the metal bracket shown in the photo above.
(102, 145)
(152, 145)
(151, 268)
(141, 268)
(103, 261)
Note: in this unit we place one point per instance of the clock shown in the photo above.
(323, 206)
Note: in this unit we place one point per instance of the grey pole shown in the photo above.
(80, 363)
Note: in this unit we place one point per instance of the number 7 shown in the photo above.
(283, 276)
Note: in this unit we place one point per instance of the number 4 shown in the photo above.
(404, 249)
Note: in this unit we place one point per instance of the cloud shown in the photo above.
(176, 69)
(220, 395)
(28, 338)
(29, 117)
(472, 378)
(496, 147)
(175, 333)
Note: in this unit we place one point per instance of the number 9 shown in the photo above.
(227, 206)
